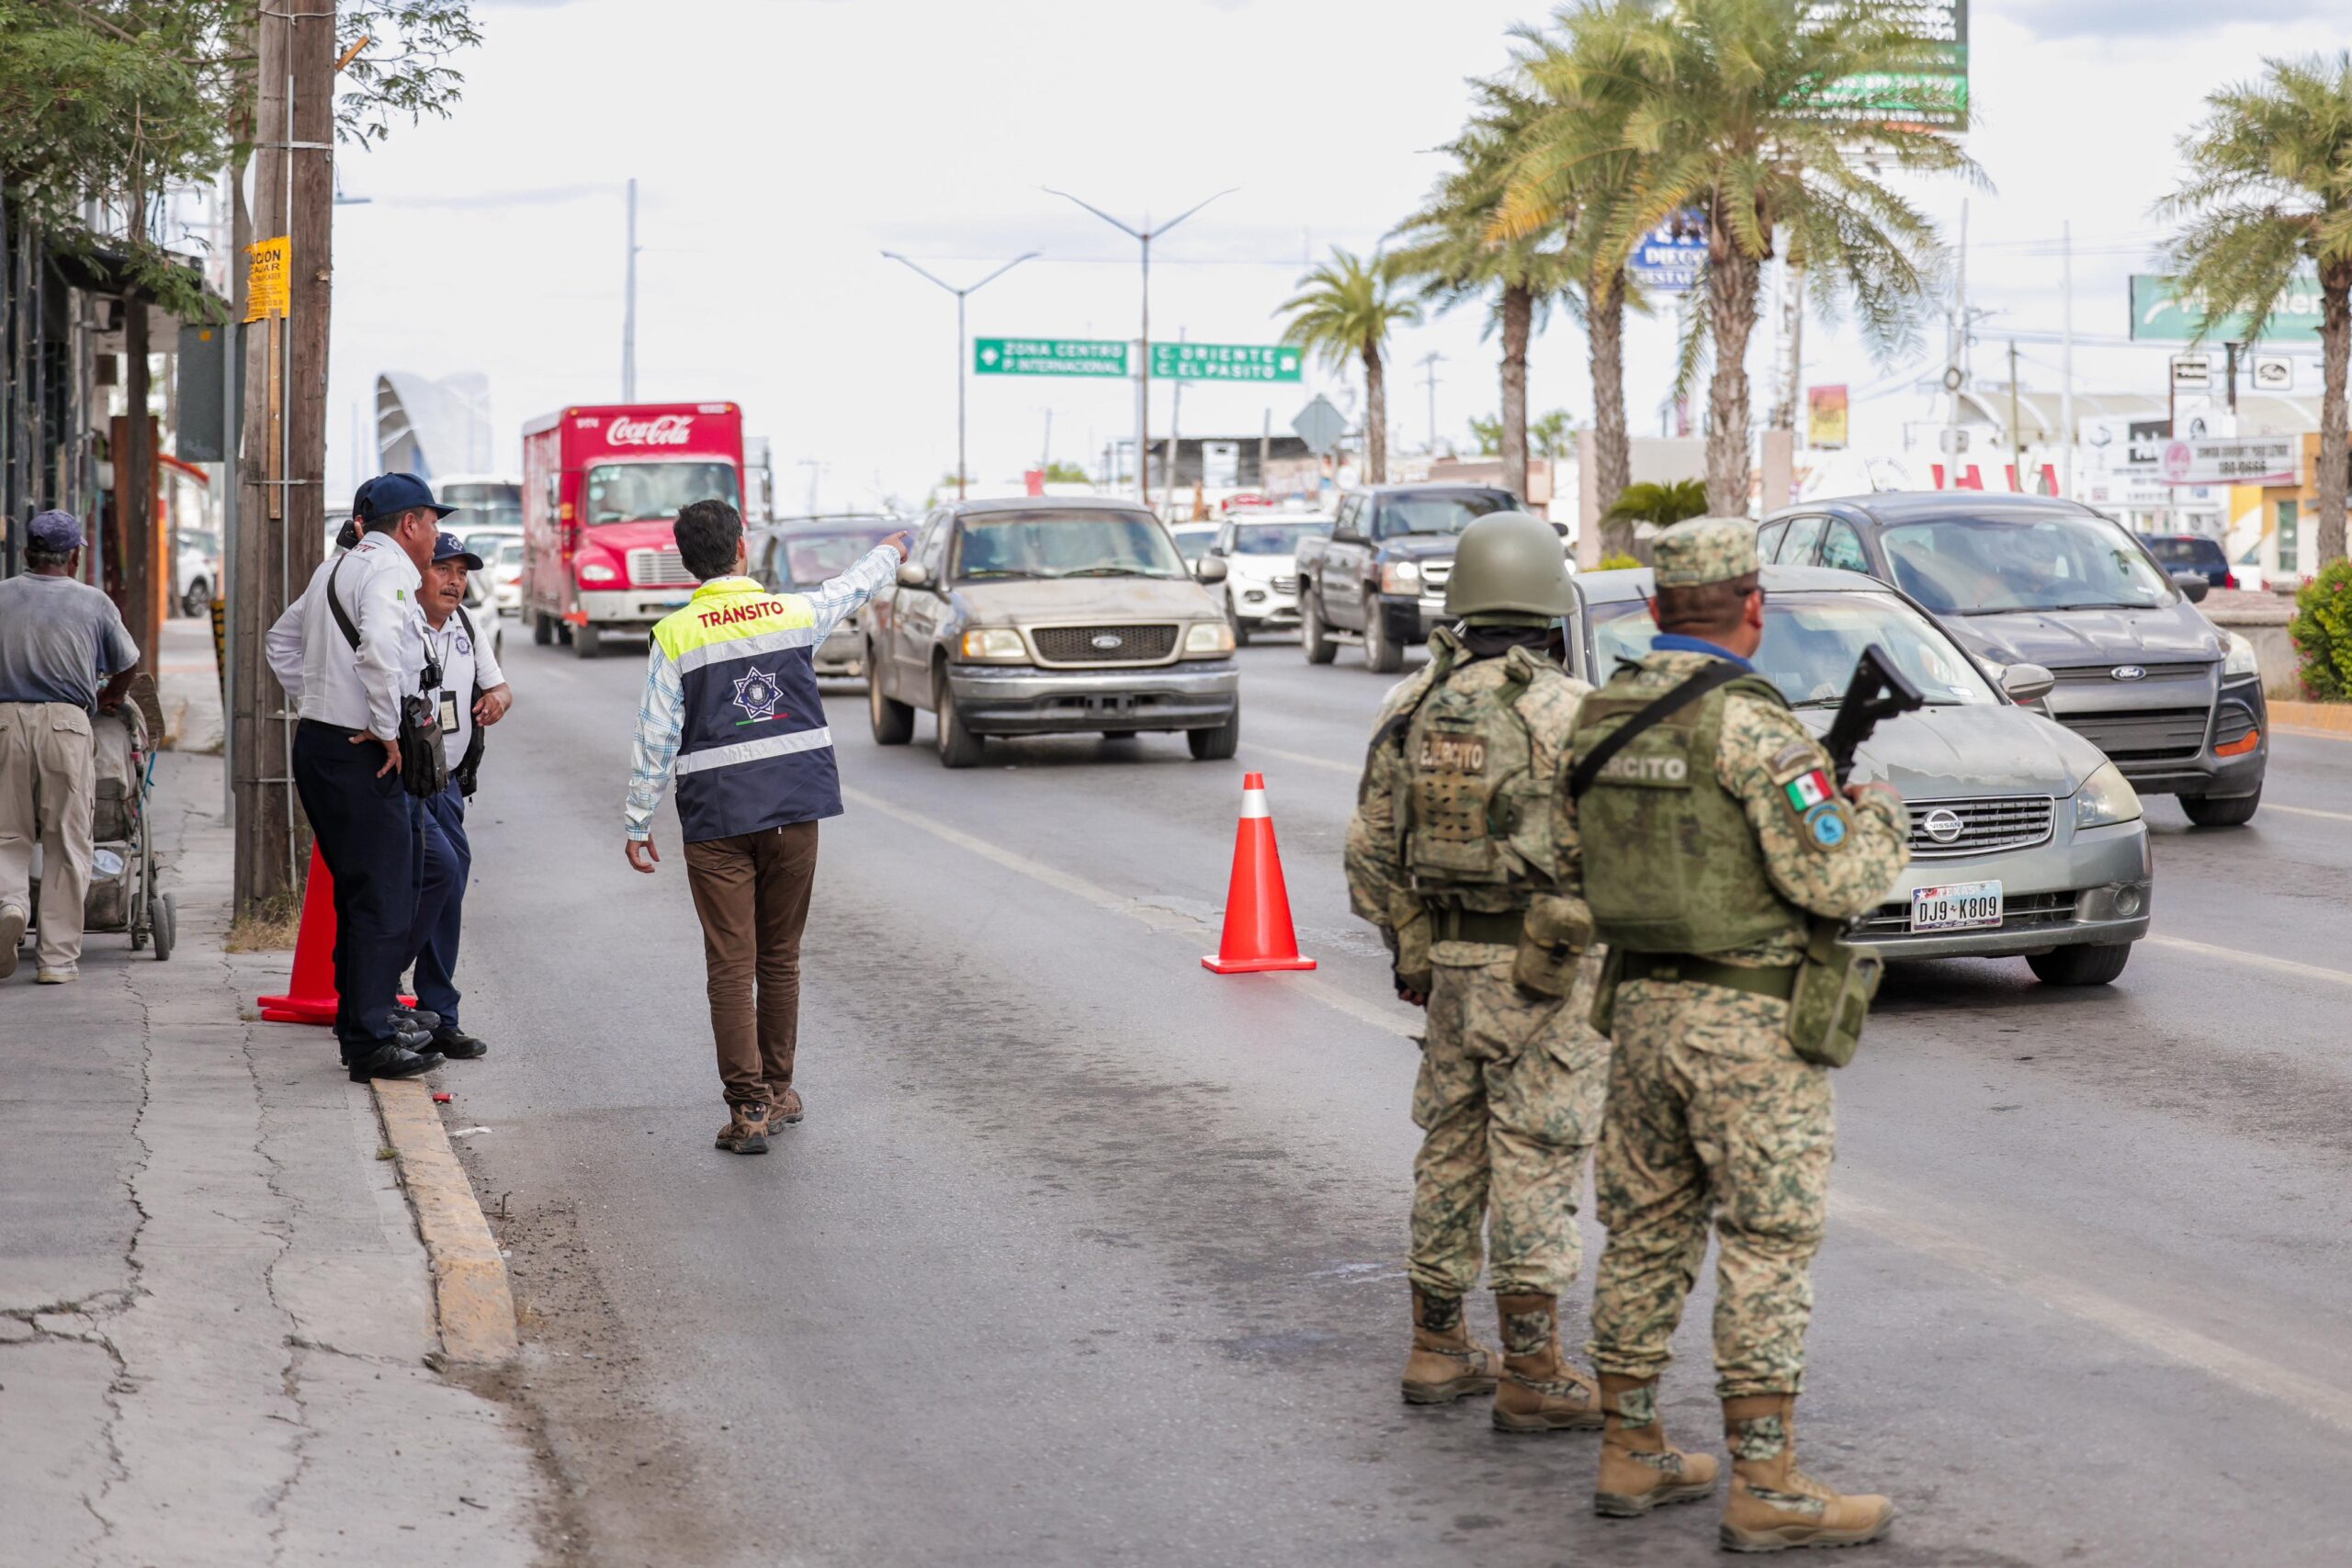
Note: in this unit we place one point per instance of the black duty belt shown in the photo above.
(1476, 925)
(1778, 983)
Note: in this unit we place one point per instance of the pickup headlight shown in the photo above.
(597, 571)
(1000, 643)
(2106, 796)
(1207, 638)
(1400, 577)
(2241, 659)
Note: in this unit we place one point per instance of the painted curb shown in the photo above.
(2312, 715)
(473, 1302)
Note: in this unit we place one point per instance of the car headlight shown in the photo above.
(995, 642)
(1207, 637)
(2241, 659)
(1400, 577)
(2106, 796)
(597, 571)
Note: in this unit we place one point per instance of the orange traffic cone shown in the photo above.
(1258, 934)
(311, 996)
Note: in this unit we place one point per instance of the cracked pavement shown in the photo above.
(215, 1313)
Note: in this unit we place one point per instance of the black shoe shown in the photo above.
(458, 1045)
(415, 1017)
(409, 1039)
(393, 1062)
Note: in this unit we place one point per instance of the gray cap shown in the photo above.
(58, 531)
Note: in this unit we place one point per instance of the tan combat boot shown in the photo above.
(1639, 1469)
(1540, 1392)
(1446, 1364)
(1773, 1505)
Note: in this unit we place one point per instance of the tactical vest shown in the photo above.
(1477, 814)
(1670, 862)
(753, 750)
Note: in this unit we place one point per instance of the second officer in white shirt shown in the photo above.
(347, 763)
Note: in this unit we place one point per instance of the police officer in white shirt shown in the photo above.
(473, 695)
(358, 667)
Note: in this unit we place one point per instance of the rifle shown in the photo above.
(1877, 693)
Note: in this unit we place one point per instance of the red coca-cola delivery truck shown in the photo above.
(601, 488)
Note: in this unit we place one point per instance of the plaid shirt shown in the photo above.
(661, 711)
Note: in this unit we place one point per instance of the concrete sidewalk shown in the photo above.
(215, 1313)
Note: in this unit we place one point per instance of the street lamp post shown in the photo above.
(1143, 371)
(961, 368)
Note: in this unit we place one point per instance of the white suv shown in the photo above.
(1262, 569)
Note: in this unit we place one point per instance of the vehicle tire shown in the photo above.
(1240, 628)
(1216, 745)
(587, 642)
(893, 722)
(1314, 637)
(959, 747)
(2086, 964)
(1383, 654)
(164, 920)
(542, 630)
(2210, 811)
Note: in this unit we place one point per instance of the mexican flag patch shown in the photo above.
(1808, 790)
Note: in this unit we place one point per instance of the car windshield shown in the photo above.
(1970, 565)
(2186, 552)
(486, 504)
(1065, 544)
(1812, 642)
(631, 492)
(1275, 538)
(511, 553)
(487, 543)
(1441, 511)
(817, 556)
(1193, 543)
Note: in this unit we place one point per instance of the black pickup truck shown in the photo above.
(1379, 577)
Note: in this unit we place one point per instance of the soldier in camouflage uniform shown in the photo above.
(1718, 852)
(1462, 851)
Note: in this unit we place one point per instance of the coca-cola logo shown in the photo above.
(668, 430)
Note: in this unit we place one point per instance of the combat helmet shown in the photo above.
(1510, 566)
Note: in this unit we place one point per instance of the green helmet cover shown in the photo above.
(1509, 564)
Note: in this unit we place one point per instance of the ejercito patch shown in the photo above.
(1453, 754)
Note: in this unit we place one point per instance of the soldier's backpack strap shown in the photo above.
(1718, 672)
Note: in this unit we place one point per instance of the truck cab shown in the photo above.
(1379, 578)
(602, 489)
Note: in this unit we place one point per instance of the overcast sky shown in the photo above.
(781, 145)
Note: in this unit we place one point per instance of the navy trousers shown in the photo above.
(443, 872)
(368, 840)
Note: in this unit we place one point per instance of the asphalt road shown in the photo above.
(1085, 1255)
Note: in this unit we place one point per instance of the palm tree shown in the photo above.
(1452, 247)
(1743, 110)
(1346, 306)
(2269, 192)
(1662, 505)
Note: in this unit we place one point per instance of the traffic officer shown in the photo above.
(473, 695)
(1464, 852)
(1720, 861)
(362, 656)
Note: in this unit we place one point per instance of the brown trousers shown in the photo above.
(751, 892)
(48, 787)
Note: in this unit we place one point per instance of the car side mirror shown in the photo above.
(913, 574)
(2027, 683)
(2193, 585)
(1212, 568)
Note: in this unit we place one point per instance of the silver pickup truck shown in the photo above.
(1050, 617)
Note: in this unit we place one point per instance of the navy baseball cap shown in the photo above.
(388, 495)
(59, 531)
(448, 547)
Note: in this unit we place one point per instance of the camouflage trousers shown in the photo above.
(1711, 1115)
(1509, 1101)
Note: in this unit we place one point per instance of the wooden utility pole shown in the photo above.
(134, 487)
(282, 461)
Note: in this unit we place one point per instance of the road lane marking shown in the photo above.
(2255, 960)
(2309, 1396)
(2311, 811)
(2298, 732)
(1350, 769)
(2319, 1401)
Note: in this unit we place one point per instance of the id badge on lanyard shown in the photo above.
(449, 712)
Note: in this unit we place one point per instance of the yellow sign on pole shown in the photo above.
(268, 279)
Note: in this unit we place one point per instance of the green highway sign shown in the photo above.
(1224, 362)
(2160, 315)
(1049, 356)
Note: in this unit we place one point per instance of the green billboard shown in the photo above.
(1049, 356)
(1225, 362)
(2159, 314)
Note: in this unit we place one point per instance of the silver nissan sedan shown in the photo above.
(2026, 842)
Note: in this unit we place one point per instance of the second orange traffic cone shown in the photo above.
(1258, 934)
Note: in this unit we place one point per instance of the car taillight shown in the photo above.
(2229, 580)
